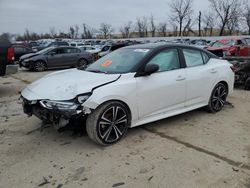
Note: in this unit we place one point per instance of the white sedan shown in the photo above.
(90, 49)
(129, 87)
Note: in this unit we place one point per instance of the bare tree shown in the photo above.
(88, 33)
(199, 22)
(72, 32)
(181, 12)
(162, 29)
(142, 27)
(188, 28)
(126, 30)
(5, 38)
(208, 22)
(76, 31)
(226, 10)
(152, 26)
(52, 32)
(105, 30)
(247, 17)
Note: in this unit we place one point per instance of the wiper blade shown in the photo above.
(98, 71)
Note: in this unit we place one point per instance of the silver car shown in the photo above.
(55, 57)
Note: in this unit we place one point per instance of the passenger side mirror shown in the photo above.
(150, 69)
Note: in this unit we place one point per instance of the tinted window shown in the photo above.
(72, 50)
(167, 60)
(62, 44)
(19, 50)
(105, 48)
(59, 51)
(72, 44)
(193, 57)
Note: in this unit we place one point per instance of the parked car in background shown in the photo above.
(52, 44)
(230, 47)
(20, 50)
(55, 57)
(76, 44)
(90, 49)
(129, 87)
(200, 43)
(110, 48)
(7, 64)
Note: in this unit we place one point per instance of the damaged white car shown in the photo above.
(132, 86)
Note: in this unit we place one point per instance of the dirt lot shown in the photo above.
(196, 149)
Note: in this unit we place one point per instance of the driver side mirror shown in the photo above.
(149, 69)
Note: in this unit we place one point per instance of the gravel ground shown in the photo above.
(195, 149)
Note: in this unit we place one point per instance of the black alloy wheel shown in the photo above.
(109, 123)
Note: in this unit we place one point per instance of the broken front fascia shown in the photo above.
(57, 112)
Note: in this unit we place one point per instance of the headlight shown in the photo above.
(82, 98)
(58, 105)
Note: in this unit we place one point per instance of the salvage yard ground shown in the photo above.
(196, 149)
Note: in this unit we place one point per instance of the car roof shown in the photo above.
(161, 45)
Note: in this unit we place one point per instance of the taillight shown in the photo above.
(10, 54)
(233, 68)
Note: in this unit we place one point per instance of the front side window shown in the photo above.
(193, 57)
(166, 60)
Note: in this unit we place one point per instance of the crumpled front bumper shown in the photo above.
(59, 118)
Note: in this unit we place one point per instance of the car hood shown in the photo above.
(28, 56)
(66, 85)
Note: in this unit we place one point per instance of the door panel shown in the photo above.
(55, 57)
(200, 77)
(165, 90)
(161, 92)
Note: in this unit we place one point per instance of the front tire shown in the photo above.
(218, 98)
(108, 123)
(39, 66)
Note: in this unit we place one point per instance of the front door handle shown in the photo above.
(213, 71)
(180, 78)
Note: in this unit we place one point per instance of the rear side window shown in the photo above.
(193, 57)
(167, 60)
(72, 50)
(19, 50)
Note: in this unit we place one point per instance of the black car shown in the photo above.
(20, 50)
(55, 57)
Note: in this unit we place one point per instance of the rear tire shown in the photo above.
(108, 124)
(218, 98)
(82, 63)
(39, 66)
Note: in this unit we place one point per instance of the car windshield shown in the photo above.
(119, 61)
(45, 50)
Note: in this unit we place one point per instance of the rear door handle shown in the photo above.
(180, 78)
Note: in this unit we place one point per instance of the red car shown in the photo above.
(230, 47)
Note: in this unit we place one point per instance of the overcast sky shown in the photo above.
(40, 15)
